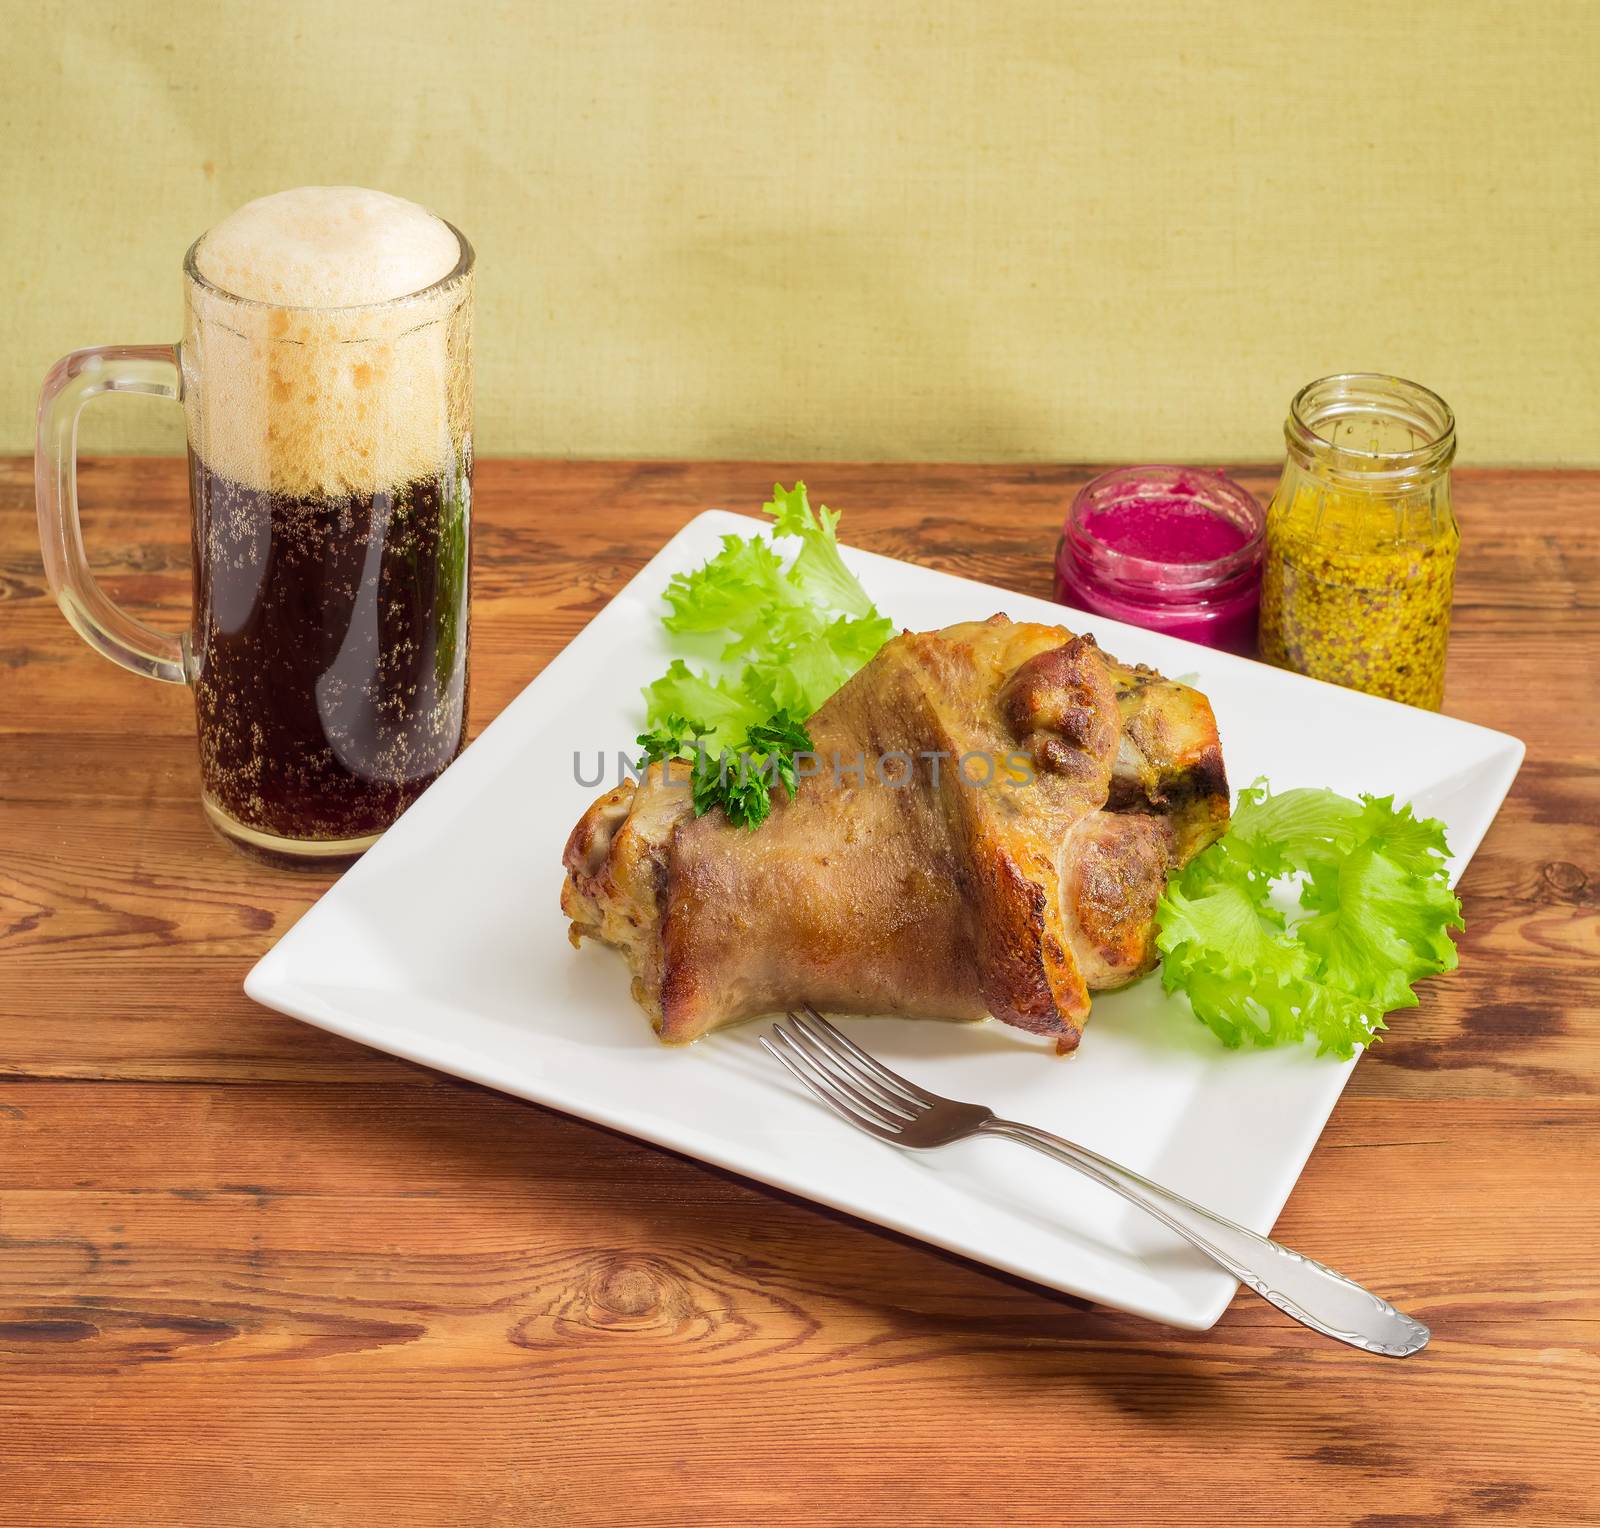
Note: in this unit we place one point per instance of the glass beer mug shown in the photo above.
(325, 376)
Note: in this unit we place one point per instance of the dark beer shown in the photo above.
(327, 379)
(329, 649)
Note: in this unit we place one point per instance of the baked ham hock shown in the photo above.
(986, 829)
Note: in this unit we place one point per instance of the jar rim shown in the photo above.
(1156, 577)
(1378, 395)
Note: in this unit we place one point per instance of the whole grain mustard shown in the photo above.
(1358, 566)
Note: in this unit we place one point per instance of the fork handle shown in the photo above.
(1318, 1297)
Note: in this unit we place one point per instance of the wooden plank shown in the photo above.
(389, 1258)
(253, 1274)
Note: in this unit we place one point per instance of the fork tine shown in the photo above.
(779, 1054)
(811, 1081)
(817, 1061)
(847, 1050)
(837, 1059)
(899, 1109)
(817, 1081)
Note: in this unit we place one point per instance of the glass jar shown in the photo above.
(1173, 549)
(1360, 556)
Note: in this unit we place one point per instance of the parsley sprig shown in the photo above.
(740, 782)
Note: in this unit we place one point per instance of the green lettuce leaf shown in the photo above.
(730, 592)
(819, 573)
(793, 631)
(1228, 951)
(1377, 914)
(712, 707)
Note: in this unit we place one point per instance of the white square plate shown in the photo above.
(446, 945)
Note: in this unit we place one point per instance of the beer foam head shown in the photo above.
(324, 352)
(327, 247)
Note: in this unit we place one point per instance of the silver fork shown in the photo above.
(865, 1092)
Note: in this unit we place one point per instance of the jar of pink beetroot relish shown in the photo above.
(1174, 549)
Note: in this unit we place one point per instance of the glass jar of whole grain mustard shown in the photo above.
(1359, 561)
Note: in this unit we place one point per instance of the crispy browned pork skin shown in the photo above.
(941, 898)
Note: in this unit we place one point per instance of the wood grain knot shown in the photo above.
(713, 1310)
(626, 1288)
(1565, 878)
(632, 1293)
(614, 1293)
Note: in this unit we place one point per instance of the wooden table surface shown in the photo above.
(254, 1274)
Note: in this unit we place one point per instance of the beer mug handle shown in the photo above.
(73, 381)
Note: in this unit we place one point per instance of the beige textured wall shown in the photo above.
(972, 229)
